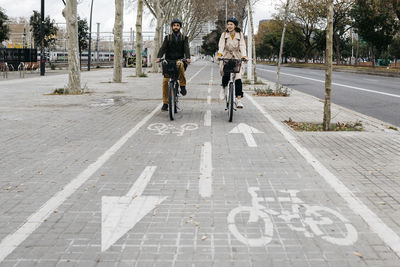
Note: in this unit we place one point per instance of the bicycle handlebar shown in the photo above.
(171, 60)
(222, 58)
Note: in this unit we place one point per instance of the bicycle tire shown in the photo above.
(171, 100)
(267, 234)
(230, 102)
(176, 97)
(350, 237)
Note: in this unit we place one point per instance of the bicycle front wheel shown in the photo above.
(331, 226)
(171, 100)
(239, 220)
(230, 102)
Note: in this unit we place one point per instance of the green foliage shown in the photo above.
(394, 49)
(210, 41)
(375, 22)
(4, 29)
(270, 45)
(83, 34)
(50, 30)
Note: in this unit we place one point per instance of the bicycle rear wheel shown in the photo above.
(171, 100)
(230, 102)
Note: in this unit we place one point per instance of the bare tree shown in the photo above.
(74, 75)
(328, 75)
(158, 12)
(139, 38)
(253, 59)
(282, 43)
(118, 40)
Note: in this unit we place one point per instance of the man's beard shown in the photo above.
(176, 31)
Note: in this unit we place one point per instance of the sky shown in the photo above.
(103, 12)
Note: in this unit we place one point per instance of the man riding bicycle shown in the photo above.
(175, 47)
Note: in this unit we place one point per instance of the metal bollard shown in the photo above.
(21, 70)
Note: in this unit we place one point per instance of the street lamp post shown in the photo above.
(42, 57)
(90, 38)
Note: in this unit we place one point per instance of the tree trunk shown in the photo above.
(282, 42)
(118, 40)
(250, 50)
(338, 54)
(253, 44)
(156, 43)
(139, 38)
(74, 75)
(328, 75)
(373, 57)
(357, 51)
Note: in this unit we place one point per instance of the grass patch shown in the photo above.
(282, 91)
(317, 127)
(65, 91)
(393, 128)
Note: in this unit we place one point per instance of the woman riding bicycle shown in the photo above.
(232, 46)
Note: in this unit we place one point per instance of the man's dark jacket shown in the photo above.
(175, 48)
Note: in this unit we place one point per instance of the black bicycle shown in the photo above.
(231, 67)
(169, 68)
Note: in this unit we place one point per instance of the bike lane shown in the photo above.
(321, 226)
(180, 184)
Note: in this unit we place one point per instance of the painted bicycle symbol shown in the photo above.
(164, 129)
(312, 221)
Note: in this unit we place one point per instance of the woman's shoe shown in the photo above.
(239, 103)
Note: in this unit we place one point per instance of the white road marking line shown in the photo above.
(205, 181)
(197, 73)
(121, 214)
(140, 184)
(12, 241)
(338, 84)
(207, 118)
(354, 203)
(209, 100)
(247, 132)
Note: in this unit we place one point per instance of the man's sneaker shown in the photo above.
(183, 90)
(222, 93)
(239, 103)
(164, 107)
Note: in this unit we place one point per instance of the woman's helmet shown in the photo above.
(176, 21)
(233, 20)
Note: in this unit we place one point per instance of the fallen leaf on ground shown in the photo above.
(357, 254)
(204, 237)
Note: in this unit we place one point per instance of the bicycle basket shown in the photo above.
(169, 68)
(232, 65)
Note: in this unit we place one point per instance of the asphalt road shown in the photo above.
(372, 95)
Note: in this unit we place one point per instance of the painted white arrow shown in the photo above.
(248, 132)
(120, 214)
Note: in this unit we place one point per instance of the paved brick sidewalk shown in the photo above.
(206, 173)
